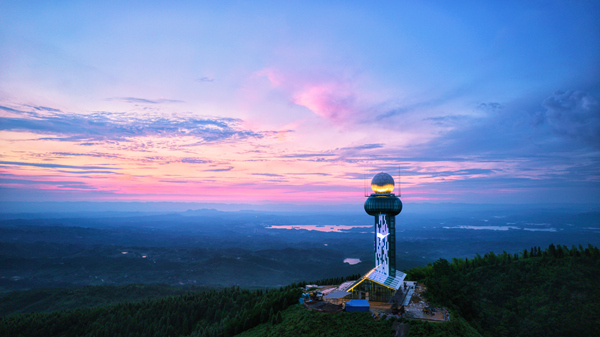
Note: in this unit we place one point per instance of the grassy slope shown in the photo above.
(298, 321)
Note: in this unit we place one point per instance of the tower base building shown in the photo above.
(375, 286)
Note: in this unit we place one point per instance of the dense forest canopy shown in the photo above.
(538, 292)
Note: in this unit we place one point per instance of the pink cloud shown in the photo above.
(329, 100)
(330, 97)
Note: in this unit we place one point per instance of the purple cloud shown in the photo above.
(195, 161)
(57, 165)
(267, 174)
(574, 114)
(143, 100)
(106, 126)
(205, 79)
(220, 169)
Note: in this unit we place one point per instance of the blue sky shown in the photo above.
(489, 102)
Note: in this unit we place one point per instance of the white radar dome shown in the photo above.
(382, 183)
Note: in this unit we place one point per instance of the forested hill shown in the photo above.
(536, 293)
(552, 292)
(224, 312)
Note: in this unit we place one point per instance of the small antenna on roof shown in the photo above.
(365, 181)
(399, 183)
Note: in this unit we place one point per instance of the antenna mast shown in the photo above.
(399, 183)
(365, 182)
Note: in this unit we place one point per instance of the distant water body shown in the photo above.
(320, 228)
(352, 261)
(502, 228)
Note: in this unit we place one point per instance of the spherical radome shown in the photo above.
(382, 183)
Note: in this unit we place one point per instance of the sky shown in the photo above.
(296, 102)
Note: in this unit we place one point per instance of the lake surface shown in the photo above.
(504, 228)
(320, 228)
(351, 260)
(491, 228)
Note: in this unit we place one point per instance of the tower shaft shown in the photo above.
(385, 244)
(384, 208)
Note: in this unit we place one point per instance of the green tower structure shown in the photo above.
(384, 206)
(383, 281)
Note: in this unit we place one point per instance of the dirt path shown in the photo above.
(418, 303)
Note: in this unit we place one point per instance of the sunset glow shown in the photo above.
(270, 103)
